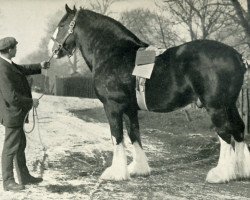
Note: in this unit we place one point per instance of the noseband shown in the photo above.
(70, 31)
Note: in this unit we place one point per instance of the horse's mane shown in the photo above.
(109, 24)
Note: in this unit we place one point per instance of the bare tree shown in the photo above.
(150, 27)
(243, 17)
(100, 6)
(202, 18)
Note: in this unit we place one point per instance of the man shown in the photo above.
(15, 103)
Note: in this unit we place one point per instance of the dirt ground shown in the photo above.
(180, 154)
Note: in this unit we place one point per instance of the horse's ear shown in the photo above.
(74, 8)
(67, 8)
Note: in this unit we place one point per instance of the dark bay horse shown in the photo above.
(206, 71)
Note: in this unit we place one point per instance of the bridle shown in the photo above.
(61, 45)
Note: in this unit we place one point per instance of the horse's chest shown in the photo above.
(113, 86)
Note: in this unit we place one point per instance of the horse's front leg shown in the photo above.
(139, 165)
(118, 170)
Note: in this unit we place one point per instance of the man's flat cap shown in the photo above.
(7, 42)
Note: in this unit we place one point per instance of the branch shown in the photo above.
(248, 7)
(240, 13)
(161, 30)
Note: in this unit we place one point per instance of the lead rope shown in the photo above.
(45, 155)
(34, 111)
(44, 148)
(36, 120)
(44, 86)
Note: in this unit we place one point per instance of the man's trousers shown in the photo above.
(14, 149)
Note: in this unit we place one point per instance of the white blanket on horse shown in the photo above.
(145, 59)
(144, 65)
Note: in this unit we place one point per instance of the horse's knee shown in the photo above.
(132, 125)
(114, 114)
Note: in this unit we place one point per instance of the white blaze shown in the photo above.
(52, 43)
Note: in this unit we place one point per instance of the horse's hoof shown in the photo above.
(214, 176)
(136, 170)
(115, 175)
(218, 175)
(242, 161)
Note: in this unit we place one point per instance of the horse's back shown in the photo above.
(204, 69)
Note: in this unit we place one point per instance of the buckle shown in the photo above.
(140, 84)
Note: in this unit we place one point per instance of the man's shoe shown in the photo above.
(31, 180)
(13, 186)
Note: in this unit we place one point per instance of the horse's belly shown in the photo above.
(168, 98)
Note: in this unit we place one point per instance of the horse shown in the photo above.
(202, 70)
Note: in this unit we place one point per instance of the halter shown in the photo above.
(70, 31)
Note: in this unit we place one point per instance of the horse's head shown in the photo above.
(63, 40)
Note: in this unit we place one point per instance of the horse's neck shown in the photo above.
(91, 51)
(90, 64)
(95, 48)
(83, 45)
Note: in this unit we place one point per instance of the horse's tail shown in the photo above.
(243, 62)
(246, 64)
(245, 68)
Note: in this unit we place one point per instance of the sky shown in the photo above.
(26, 20)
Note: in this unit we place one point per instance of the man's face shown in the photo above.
(12, 52)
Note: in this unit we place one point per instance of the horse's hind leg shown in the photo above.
(118, 170)
(139, 165)
(232, 164)
(241, 149)
(225, 169)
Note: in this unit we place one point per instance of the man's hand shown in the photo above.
(45, 64)
(35, 103)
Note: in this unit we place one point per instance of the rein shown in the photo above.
(70, 31)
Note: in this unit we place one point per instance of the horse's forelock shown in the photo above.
(64, 18)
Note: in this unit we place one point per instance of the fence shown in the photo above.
(77, 86)
(39, 83)
(80, 86)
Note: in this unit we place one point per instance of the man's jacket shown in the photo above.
(15, 92)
